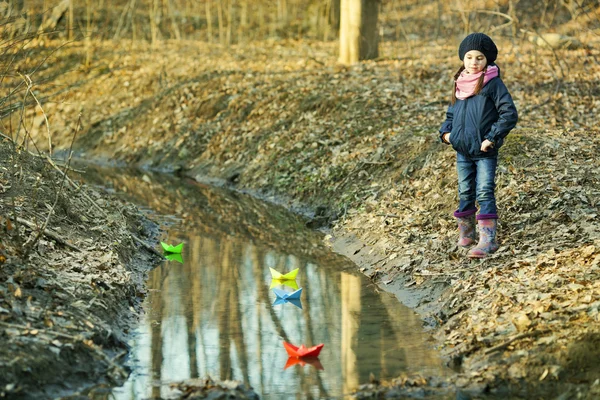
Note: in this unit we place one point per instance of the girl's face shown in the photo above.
(475, 62)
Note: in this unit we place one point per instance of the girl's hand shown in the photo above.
(486, 145)
(446, 137)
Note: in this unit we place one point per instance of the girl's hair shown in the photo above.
(478, 86)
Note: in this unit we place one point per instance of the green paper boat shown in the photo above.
(174, 257)
(172, 249)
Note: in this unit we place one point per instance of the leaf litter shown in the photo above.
(64, 311)
(358, 143)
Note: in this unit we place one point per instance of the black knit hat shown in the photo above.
(480, 42)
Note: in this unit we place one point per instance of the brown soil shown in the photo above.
(356, 147)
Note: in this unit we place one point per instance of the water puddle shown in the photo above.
(212, 312)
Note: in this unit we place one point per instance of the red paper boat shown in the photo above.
(302, 351)
(314, 361)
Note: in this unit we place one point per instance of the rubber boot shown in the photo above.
(466, 227)
(487, 239)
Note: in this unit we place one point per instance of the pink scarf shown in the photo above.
(465, 84)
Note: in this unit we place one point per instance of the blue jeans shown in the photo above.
(476, 182)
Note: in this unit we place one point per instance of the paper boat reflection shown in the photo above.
(285, 297)
(314, 361)
(287, 282)
(174, 257)
(302, 351)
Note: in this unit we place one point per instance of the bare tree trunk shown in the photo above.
(209, 27)
(220, 19)
(261, 20)
(465, 16)
(243, 26)
(326, 26)
(132, 20)
(70, 22)
(273, 25)
(300, 28)
(129, 5)
(88, 34)
(334, 14)
(349, 31)
(230, 19)
(174, 26)
(15, 8)
(512, 13)
(282, 15)
(279, 14)
(369, 46)
(359, 38)
(154, 21)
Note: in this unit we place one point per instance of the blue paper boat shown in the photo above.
(288, 297)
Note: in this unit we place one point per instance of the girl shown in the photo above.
(480, 115)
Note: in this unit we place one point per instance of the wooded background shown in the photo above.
(232, 22)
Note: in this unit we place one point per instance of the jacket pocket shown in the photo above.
(453, 140)
(478, 142)
(472, 143)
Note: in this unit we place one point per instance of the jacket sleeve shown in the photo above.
(507, 114)
(447, 125)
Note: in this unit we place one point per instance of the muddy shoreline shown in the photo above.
(69, 293)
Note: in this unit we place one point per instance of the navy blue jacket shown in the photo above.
(490, 115)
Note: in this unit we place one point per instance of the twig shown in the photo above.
(76, 187)
(378, 261)
(69, 168)
(69, 180)
(508, 17)
(435, 273)
(504, 345)
(388, 215)
(315, 60)
(558, 59)
(22, 119)
(9, 65)
(377, 162)
(58, 192)
(147, 246)
(48, 233)
(30, 85)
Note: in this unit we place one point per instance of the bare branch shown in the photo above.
(30, 86)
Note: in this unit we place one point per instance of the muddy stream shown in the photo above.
(212, 313)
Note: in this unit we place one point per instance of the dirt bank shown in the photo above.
(70, 292)
(357, 147)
